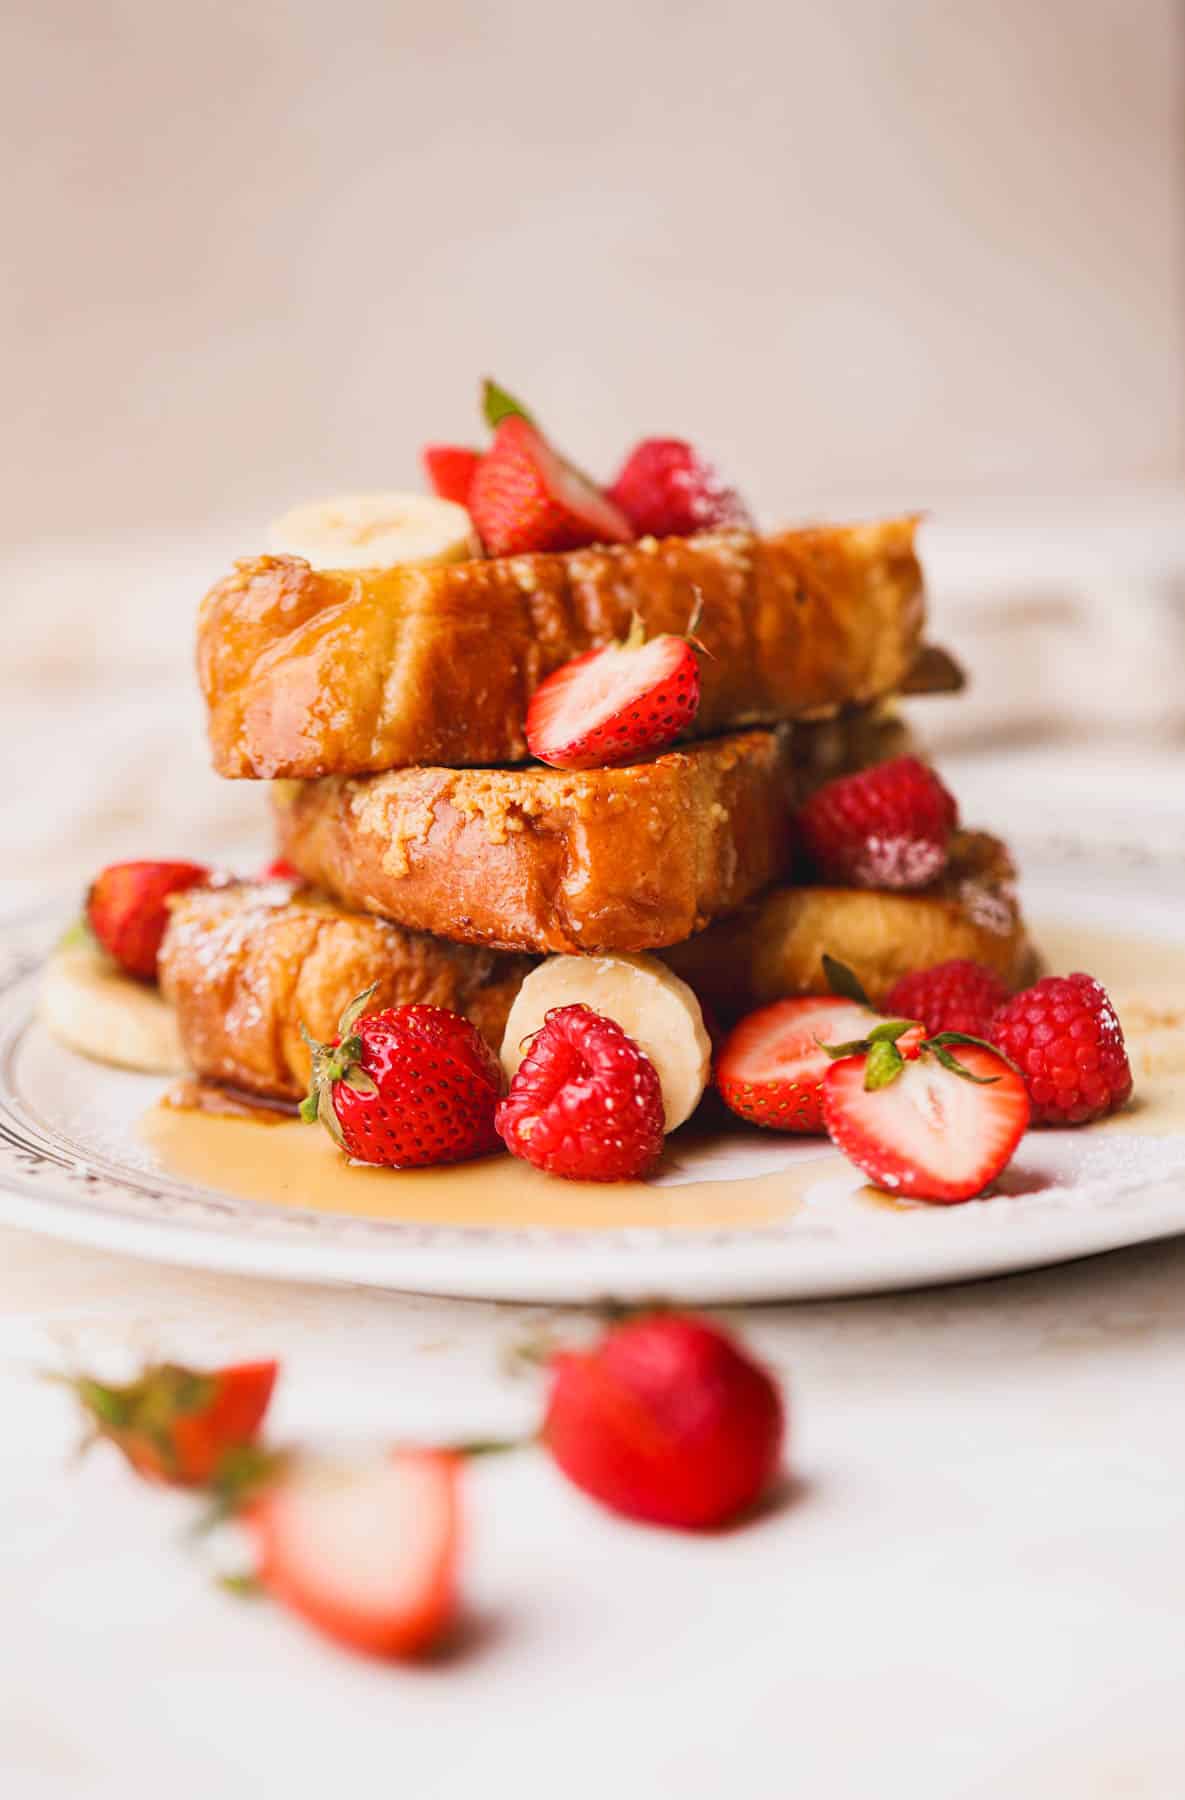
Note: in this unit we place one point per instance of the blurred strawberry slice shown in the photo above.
(450, 469)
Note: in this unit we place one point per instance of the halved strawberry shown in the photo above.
(934, 1125)
(366, 1552)
(770, 1067)
(525, 497)
(127, 909)
(176, 1425)
(450, 469)
(615, 704)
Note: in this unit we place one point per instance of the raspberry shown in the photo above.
(884, 827)
(1064, 1037)
(586, 1102)
(952, 996)
(666, 489)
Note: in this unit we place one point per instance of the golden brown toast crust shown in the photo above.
(246, 965)
(774, 948)
(308, 673)
(550, 859)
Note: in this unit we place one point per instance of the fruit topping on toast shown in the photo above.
(586, 1102)
(127, 909)
(405, 1088)
(666, 489)
(450, 469)
(526, 497)
(959, 995)
(884, 827)
(616, 704)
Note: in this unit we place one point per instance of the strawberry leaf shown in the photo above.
(497, 405)
(844, 982)
(890, 1031)
(884, 1064)
(957, 1068)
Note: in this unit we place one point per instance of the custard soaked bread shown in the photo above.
(774, 947)
(550, 859)
(247, 965)
(318, 672)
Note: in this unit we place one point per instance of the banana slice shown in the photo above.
(376, 531)
(91, 1007)
(646, 999)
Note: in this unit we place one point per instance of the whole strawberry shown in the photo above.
(176, 1425)
(615, 704)
(666, 1420)
(585, 1102)
(666, 489)
(1065, 1038)
(884, 827)
(405, 1088)
(960, 995)
(127, 909)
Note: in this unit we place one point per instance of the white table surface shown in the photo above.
(976, 1586)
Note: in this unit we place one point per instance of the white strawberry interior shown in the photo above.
(577, 494)
(936, 1120)
(792, 1050)
(612, 683)
(370, 1539)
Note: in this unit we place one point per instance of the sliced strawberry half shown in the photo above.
(526, 498)
(450, 469)
(771, 1066)
(615, 704)
(938, 1125)
(366, 1553)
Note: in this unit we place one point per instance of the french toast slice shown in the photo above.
(246, 965)
(543, 859)
(311, 672)
(774, 947)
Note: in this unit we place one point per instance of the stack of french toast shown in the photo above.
(394, 674)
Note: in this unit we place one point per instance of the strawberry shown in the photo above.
(366, 1553)
(920, 1120)
(770, 1067)
(1065, 1038)
(959, 995)
(280, 870)
(405, 1088)
(177, 1425)
(666, 489)
(127, 909)
(666, 1420)
(525, 497)
(450, 470)
(585, 1101)
(615, 704)
(884, 827)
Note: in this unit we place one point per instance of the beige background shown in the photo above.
(867, 250)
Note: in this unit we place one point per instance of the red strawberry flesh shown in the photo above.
(929, 1134)
(770, 1067)
(450, 469)
(614, 704)
(526, 498)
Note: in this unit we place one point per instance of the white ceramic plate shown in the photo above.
(73, 1166)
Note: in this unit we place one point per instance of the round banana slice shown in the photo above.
(91, 1007)
(646, 999)
(376, 531)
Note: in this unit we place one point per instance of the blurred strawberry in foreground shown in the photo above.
(884, 827)
(666, 489)
(525, 497)
(1065, 1038)
(615, 704)
(666, 1420)
(127, 909)
(450, 470)
(177, 1425)
(959, 995)
(405, 1088)
(366, 1552)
